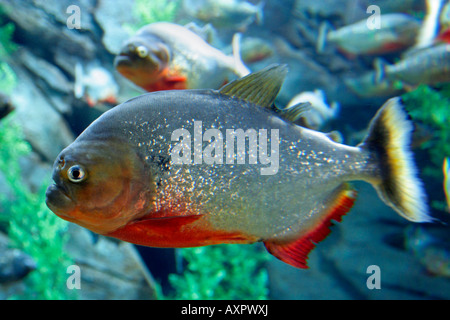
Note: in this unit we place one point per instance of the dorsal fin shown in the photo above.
(295, 112)
(260, 88)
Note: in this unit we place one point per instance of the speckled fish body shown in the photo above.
(138, 194)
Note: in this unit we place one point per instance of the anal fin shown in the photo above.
(296, 252)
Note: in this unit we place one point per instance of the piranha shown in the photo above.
(427, 66)
(231, 14)
(397, 31)
(367, 86)
(167, 56)
(148, 173)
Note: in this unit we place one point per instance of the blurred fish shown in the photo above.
(430, 26)
(319, 113)
(234, 14)
(446, 169)
(398, 31)
(14, 265)
(97, 85)
(6, 106)
(166, 56)
(444, 21)
(255, 49)
(389, 6)
(431, 247)
(427, 66)
(122, 177)
(367, 86)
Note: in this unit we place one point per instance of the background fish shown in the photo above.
(397, 31)
(431, 248)
(319, 113)
(368, 86)
(119, 177)
(97, 85)
(427, 66)
(166, 56)
(233, 14)
(14, 265)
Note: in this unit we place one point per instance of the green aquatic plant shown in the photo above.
(222, 272)
(8, 78)
(431, 108)
(30, 225)
(146, 12)
(7, 46)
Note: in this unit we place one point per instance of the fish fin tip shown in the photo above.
(335, 136)
(295, 112)
(389, 139)
(295, 253)
(260, 88)
(380, 70)
(324, 28)
(239, 67)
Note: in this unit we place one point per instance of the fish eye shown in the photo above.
(76, 174)
(142, 51)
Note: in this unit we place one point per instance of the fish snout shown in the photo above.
(57, 196)
(58, 201)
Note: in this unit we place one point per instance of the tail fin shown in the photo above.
(430, 26)
(380, 70)
(322, 37)
(398, 185)
(239, 67)
(260, 13)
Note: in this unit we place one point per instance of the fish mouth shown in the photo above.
(123, 59)
(58, 200)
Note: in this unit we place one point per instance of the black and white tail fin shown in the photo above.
(398, 185)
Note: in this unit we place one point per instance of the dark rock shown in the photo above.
(42, 125)
(6, 105)
(14, 264)
(112, 15)
(38, 29)
(109, 270)
(46, 71)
